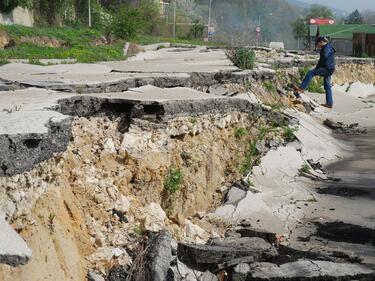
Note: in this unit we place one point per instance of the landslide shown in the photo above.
(87, 207)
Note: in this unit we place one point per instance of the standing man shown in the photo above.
(324, 68)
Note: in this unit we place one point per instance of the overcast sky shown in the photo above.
(349, 5)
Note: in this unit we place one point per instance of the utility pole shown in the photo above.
(209, 19)
(89, 13)
(174, 18)
(260, 30)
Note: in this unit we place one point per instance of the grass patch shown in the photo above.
(275, 106)
(71, 36)
(173, 181)
(187, 158)
(252, 158)
(193, 120)
(305, 169)
(78, 44)
(289, 134)
(269, 86)
(148, 39)
(239, 133)
(86, 54)
(138, 230)
(243, 58)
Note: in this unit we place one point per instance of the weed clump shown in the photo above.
(252, 158)
(173, 181)
(239, 133)
(269, 86)
(242, 57)
(305, 169)
(289, 134)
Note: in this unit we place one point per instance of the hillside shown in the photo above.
(303, 5)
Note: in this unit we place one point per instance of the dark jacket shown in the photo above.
(327, 58)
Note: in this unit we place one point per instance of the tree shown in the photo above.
(127, 23)
(354, 18)
(319, 11)
(299, 28)
(7, 6)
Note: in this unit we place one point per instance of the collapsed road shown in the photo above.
(177, 165)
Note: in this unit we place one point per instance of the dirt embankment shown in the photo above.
(88, 206)
(349, 73)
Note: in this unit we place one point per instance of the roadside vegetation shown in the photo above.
(242, 57)
(63, 32)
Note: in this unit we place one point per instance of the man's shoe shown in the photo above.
(298, 89)
(327, 105)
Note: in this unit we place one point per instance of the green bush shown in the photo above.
(127, 23)
(173, 181)
(7, 6)
(269, 85)
(305, 169)
(288, 134)
(196, 30)
(150, 15)
(242, 57)
(252, 158)
(101, 19)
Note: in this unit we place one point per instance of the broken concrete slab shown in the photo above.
(254, 232)
(117, 273)
(180, 271)
(29, 132)
(310, 270)
(13, 249)
(234, 195)
(93, 276)
(158, 257)
(208, 276)
(153, 101)
(226, 250)
(240, 272)
(32, 69)
(172, 60)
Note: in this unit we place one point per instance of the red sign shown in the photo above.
(320, 21)
(258, 29)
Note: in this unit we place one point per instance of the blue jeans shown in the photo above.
(327, 74)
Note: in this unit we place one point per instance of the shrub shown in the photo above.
(305, 169)
(252, 158)
(7, 6)
(196, 30)
(127, 23)
(173, 181)
(101, 19)
(239, 133)
(150, 14)
(242, 57)
(269, 85)
(288, 134)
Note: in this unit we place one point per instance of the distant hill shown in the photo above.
(300, 4)
(304, 6)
